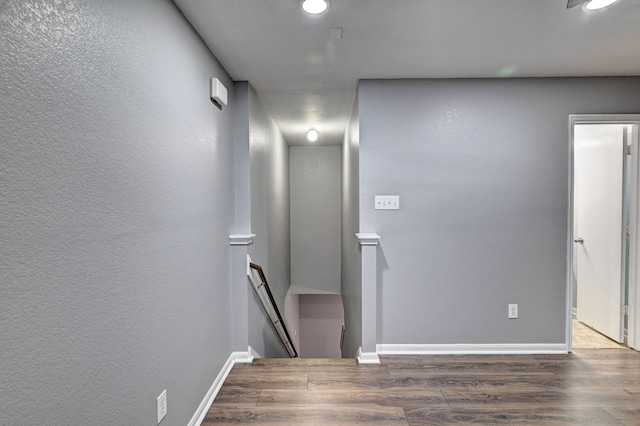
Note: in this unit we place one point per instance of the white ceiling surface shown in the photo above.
(307, 78)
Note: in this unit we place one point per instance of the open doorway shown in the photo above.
(603, 232)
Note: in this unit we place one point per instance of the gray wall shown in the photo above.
(315, 218)
(351, 273)
(481, 167)
(321, 319)
(242, 158)
(269, 159)
(116, 195)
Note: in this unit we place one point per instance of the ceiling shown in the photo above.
(306, 74)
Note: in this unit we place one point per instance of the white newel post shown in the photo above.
(369, 253)
(240, 293)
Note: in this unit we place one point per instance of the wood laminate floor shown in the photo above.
(589, 387)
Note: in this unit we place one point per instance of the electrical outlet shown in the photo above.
(161, 405)
(513, 310)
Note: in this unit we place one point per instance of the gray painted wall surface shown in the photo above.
(116, 183)
(292, 317)
(481, 167)
(315, 218)
(240, 286)
(321, 319)
(351, 273)
(242, 158)
(269, 220)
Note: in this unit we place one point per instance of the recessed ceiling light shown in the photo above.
(315, 7)
(312, 135)
(598, 4)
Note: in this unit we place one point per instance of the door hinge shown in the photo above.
(627, 230)
(625, 310)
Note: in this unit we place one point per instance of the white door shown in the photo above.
(598, 230)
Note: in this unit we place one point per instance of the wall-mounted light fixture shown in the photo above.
(312, 135)
(314, 7)
(218, 93)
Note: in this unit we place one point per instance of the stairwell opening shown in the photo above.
(314, 309)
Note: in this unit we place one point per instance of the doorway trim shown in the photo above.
(634, 253)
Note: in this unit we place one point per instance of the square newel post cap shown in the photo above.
(241, 239)
(368, 239)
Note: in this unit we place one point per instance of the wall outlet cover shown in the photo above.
(161, 405)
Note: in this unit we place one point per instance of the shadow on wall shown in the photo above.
(382, 265)
(263, 338)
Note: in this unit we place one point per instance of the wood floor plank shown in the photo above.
(579, 398)
(268, 381)
(364, 370)
(248, 369)
(404, 359)
(586, 416)
(404, 398)
(629, 416)
(432, 382)
(318, 414)
(448, 359)
(544, 383)
(477, 368)
(352, 374)
(232, 396)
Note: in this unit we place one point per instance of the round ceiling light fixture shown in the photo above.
(312, 135)
(598, 4)
(315, 7)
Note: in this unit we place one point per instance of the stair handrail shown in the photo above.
(277, 322)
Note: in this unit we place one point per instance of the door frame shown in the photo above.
(633, 330)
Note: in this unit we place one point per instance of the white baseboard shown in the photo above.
(235, 357)
(253, 353)
(367, 357)
(246, 357)
(472, 349)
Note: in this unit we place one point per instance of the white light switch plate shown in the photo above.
(387, 202)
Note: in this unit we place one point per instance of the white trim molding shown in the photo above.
(235, 357)
(473, 349)
(368, 239)
(633, 331)
(241, 239)
(369, 296)
(367, 357)
(253, 354)
(245, 357)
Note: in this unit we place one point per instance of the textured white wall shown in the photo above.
(116, 183)
(315, 218)
(481, 167)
